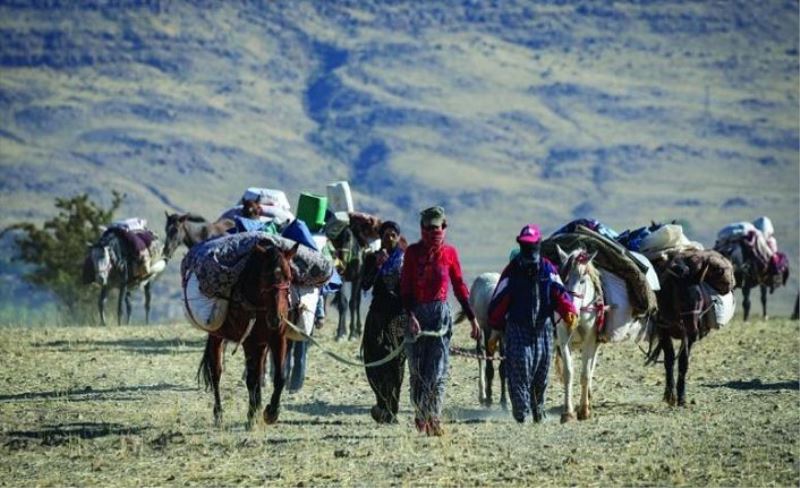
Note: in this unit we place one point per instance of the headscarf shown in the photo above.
(389, 225)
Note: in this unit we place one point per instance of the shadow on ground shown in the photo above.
(756, 384)
(53, 435)
(139, 346)
(89, 394)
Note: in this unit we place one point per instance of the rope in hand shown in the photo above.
(396, 352)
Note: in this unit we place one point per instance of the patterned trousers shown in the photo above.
(428, 360)
(528, 351)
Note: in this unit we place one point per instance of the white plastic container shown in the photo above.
(724, 305)
(203, 312)
(340, 199)
(267, 196)
(306, 297)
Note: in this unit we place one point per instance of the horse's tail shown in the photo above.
(204, 370)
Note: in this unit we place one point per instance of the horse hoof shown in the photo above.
(339, 338)
(670, 399)
(217, 421)
(271, 416)
(584, 415)
(681, 402)
(486, 402)
(567, 417)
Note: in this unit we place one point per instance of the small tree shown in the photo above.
(56, 252)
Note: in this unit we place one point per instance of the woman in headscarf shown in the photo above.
(429, 267)
(524, 300)
(385, 325)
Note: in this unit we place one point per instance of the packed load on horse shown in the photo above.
(126, 256)
(260, 207)
(753, 250)
(745, 241)
(669, 249)
(628, 280)
(695, 296)
(141, 243)
(211, 268)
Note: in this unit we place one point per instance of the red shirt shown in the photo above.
(426, 276)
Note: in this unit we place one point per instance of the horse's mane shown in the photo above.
(192, 217)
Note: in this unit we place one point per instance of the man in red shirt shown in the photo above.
(428, 268)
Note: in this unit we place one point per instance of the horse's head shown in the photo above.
(266, 284)
(579, 274)
(100, 258)
(175, 231)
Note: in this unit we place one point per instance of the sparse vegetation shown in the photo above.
(56, 250)
(120, 406)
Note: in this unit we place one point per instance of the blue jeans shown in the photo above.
(295, 369)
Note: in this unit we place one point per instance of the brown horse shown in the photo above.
(256, 319)
(684, 313)
(190, 229)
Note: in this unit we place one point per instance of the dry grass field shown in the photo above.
(119, 406)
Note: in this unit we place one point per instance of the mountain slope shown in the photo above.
(503, 112)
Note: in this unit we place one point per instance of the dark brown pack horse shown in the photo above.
(750, 272)
(256, 319)
(685, 313)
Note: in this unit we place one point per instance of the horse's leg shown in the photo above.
(796, 313)
(355, 308)
(764, 301)
(503, 376)
(485, 372)
(341, 306)
(683, 368)
(254, 359)
(147, 303)
(566, 373)
(277, 345)
(128, 307)
(669, 362)
(120, 299)
(746, 299)
(101, 304)
(588, 354)
(211, 372)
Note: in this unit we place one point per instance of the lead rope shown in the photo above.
(396, 352)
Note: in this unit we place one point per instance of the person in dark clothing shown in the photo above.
(525, 298)
(385, 325)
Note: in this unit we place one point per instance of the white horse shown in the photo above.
(582, 281)
(480, 295)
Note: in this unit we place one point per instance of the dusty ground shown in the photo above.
(120, 406)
